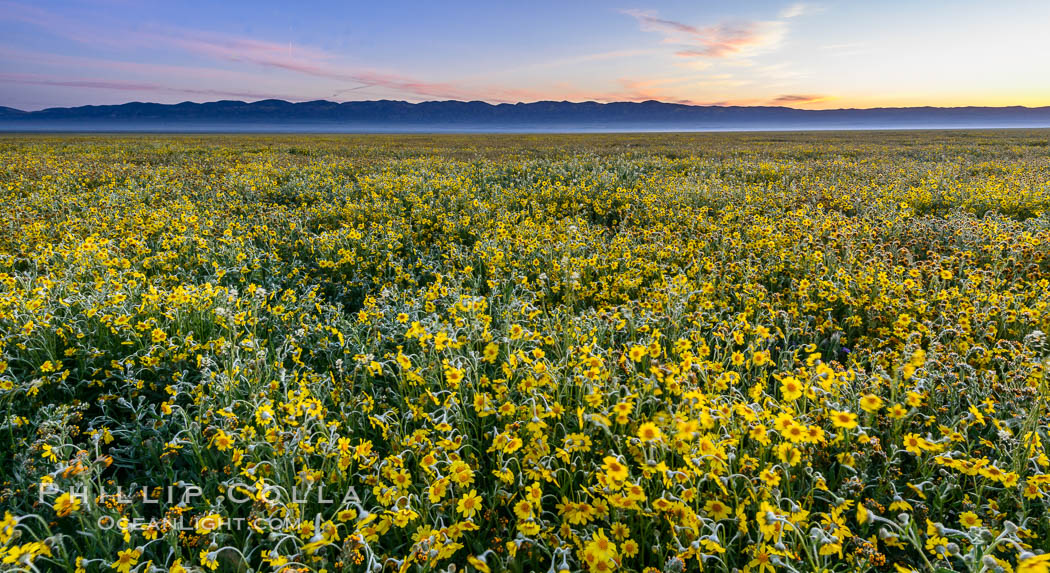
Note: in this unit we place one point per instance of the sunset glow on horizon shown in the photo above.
(813, 55)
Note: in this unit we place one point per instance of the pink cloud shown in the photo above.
(798, 98)
(121, 85)
(308, 61)
(718, 41)
(106, 64)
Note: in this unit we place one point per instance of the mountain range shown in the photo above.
(386, 115)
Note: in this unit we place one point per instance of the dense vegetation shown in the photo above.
(764, 352)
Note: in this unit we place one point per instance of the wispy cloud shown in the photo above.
(717, 41)
(228, 48)
(302, 60)
(129, 86)
(800, 9)
(104, 65)
(799, 99)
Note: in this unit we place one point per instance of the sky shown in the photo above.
(814, 55)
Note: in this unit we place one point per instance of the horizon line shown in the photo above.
(497, 104)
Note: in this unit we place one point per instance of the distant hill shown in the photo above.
(6, 112)
(386, 115)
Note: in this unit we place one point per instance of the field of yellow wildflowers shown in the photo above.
(721, 352)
